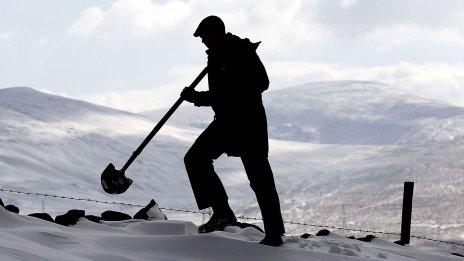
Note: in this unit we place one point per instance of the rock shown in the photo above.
(457, 254)
(76, 213)
(44, 216)
(305, 235)
(323, 232)
(150, 212)
(110, 215)
(1, 203)
(12, 208)
(351, 237)
(367, 238)
(93, 218)
(70, 218)
(64, 220)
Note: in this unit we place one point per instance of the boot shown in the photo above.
(271, 240)
(217, 222)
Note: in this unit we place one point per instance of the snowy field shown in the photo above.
(28, 238)
(340, 152)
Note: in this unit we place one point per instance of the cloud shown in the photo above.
(439, 81)
(7, 35)
(416, 44)
(284, 26)
(129, 18)
(391, 24)
(409, 35)
(162, 96)
(21, 41)
(280, 24)
(359, 17)
(87, 24)
(134, 101)
(432, 80)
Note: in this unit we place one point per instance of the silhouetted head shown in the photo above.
(211, 30)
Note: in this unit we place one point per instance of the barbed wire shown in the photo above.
(239, 217)
(97, 201)
(438, 240)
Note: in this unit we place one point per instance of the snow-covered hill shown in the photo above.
(29, 238)
(347, 112)
(52, 144)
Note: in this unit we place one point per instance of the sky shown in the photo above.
(137, 55)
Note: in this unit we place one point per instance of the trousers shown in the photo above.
(209, 190)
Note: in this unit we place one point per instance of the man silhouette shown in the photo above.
(236, 79)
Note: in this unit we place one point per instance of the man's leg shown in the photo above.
(206, 185)
(259, 173)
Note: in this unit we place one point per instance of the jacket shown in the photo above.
(236, 79)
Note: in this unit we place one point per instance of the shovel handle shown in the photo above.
(163, 120)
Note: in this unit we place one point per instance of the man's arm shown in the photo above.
(197, 98)
(202, 99)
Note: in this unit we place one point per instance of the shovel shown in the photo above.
(114, 181)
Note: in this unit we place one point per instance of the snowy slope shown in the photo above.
(347, 112)
(49, 143)
(28, 238)
(352, 112)
(53, 144)
(402, 137)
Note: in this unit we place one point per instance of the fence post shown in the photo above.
(406, 215)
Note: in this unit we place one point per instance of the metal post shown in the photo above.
(406, 216)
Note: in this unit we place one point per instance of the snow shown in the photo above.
(336, 145)
(28, 238)
(352, 144)
(347, 112)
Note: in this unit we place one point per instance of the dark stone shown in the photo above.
(1, 203)
(110, 215)
(305, 235)
(70, 218)
(93, 218)
(367, 238)
(351, 237)
(144, 212)
(245, 225)
(76, 212)
(43, 216)
(65, 220)
(12, 208)
(323, 232)
(457, 254)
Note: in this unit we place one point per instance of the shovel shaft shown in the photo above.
(163, 120)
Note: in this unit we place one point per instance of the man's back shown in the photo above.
(235, 73)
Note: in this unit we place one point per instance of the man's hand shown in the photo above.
(189, 94)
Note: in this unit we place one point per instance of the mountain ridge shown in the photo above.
(314, 179)
(342, 112)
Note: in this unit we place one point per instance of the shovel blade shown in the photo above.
(113, 181)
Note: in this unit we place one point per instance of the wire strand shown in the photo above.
(239, 217)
